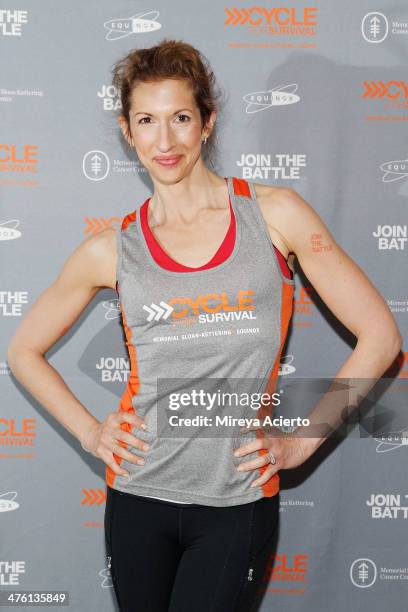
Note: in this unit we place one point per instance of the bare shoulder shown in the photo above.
(288, 215)
(335, 276)
(89, 268)
(99, 257)
(275, 206)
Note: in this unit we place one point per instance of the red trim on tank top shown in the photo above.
(224, 251)
(286, 271)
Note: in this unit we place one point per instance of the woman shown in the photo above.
(191, 521)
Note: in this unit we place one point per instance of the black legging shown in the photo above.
(170, 557)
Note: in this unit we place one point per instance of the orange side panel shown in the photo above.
(271, 487)
(133, 385)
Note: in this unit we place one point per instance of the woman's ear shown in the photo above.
(210, 124)
(125, 130)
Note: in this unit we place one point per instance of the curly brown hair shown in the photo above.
(170, 59)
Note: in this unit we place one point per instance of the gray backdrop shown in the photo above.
(334, 129)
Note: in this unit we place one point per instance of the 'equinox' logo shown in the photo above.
(138, 24)
(278, 96)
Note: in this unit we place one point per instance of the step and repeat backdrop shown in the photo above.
(317, 100)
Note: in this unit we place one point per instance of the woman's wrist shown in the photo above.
(85, 439)
(309, 443)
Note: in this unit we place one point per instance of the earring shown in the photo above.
(205, 140)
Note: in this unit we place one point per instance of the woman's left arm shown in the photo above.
(341, 284)
(347, 292)
(351, 297)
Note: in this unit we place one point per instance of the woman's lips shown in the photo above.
(170, 161)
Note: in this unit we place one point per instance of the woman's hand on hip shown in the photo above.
(289, 451)
(112, 437)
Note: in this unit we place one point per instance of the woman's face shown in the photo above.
(165, 122)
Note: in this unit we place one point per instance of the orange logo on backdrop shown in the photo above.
(303, 306)
(290, 573)
(15, 158)
(379, 89)
(97, 224)
(8, 427)
(243, 302)
(93, 497)
(296, 567)
(17, 433)
(280, 16)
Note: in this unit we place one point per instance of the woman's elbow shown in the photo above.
(384, 340)
(15, 353)
(398, 342)
(391, 344)
(12, 356)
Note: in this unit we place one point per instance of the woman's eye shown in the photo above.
(142, 120)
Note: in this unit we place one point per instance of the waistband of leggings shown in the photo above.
(175, 504)
(152, 499)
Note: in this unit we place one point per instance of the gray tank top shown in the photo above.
(218, 329)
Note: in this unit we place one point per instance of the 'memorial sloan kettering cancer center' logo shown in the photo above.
(137, 24)
(208, 308)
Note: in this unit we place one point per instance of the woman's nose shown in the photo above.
(165, 137)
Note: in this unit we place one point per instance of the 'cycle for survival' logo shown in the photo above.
(209, 308)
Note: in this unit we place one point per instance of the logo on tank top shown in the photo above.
(204, 308)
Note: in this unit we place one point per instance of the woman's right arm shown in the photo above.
(91, 267)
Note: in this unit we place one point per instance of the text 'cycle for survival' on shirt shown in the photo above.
(211, 328)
